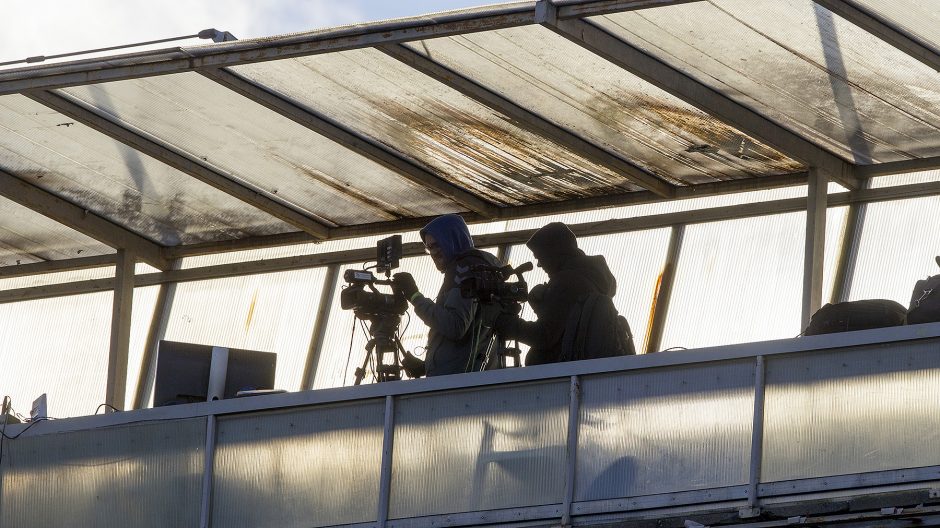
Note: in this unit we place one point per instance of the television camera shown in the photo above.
(382, 311)
(490, 286)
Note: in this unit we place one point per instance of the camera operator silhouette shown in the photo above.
(576, 315)
(460, 333)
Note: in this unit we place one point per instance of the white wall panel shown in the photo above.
(273, 312)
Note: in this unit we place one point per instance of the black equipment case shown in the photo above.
(856, 315)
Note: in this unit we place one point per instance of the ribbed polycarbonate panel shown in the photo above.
(272, 154)
(58, 347)
(85, 167)
(572, 87)
(27, 236)
(145, 475)
(800, 65)
(850, 411)
(905, 179)
(665, 430)
(273, 312)
(483, 449)
(897, 248)
(742, 280)
(145, 300)
(461, 140)
(299, 468)
(915, 18)
(339, 360)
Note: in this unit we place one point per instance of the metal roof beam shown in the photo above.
(882, 29)
(56, 266)
(527, 119)
(80, 219)
(679, 84)
(352, 140)
(898, 167)
(605, 227)
(185, 163)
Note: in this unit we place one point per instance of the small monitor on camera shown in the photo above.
(388, 254)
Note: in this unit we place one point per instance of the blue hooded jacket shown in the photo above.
(452, 235)
(460, 331)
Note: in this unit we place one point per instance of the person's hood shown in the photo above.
(595, 269)
(452, 236)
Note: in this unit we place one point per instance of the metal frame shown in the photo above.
(664, 294)
(183, 162)
(880, 28)
(122, 310)
(623, 225)
(598, 41)
(330, 283)
(159, 321)
(816, 207)
(528, 119)
(79, 219)
(358, 143)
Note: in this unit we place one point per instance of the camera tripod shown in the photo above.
(383, 332)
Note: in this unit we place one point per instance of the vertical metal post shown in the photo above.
(815, 243)
(574, 410)
(654, 334)
(205, 512)
(502, 253)
(848, 251)
(319, 329)
(156, 332)
(757, 440)
(122, 308)
(385, 476)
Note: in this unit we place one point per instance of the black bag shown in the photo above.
(595, 330)
(856, 315)
(925, 301)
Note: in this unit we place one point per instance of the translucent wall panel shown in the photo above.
(145, 299)
(665, 430)
(636, 259)
(337, 364)
(905, 179)
(147, 475)
(897, 248)
(58, 347)
(299, 468)
(742, 280)
(486, 449)
(851, 411)
(274, 312)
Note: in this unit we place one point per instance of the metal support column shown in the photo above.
(848, 251)
(660, 309)
(574, 410)
(205, 511)
(815, 243)
(319, 330)
(122, 307)
(156, 332)
(757, 441)
(385, 476)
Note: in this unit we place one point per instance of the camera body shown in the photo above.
(361, 295)
(490, 284)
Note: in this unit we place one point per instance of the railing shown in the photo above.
(734, 425)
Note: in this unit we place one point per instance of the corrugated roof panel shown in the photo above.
(85, 167)
(270, 153)
(802, 66)
(572, 87)
(915, 17)
(460, 139)
(27, 236)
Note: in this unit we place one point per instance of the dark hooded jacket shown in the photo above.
(572, 276)
(460, 329)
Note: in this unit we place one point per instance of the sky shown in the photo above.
(49, 27)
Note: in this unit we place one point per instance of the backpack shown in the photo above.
(594, 330)
(855, 315)
(925, 301)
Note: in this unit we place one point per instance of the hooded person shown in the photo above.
(572, 276)
(460, 329)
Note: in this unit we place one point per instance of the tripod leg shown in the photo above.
(361, 371)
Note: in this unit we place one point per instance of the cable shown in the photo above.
(113, 408)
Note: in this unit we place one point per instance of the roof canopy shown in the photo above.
(497, 112)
